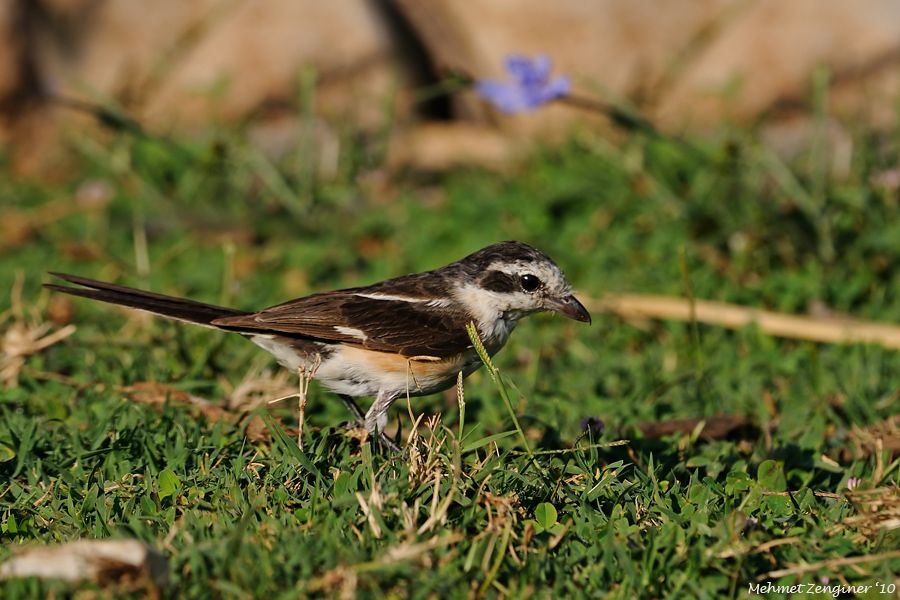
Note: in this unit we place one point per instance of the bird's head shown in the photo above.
(514, 279)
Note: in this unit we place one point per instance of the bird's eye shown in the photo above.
(529, 282)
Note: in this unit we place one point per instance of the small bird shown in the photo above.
(401, 336)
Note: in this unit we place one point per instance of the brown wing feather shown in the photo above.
(406, 328)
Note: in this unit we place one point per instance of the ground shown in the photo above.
(525, 495)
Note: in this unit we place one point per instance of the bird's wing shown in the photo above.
(407, 326)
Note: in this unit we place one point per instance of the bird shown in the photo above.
(400, 337)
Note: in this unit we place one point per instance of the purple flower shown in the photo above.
(594, 425)
(529, 88)
(853, 483)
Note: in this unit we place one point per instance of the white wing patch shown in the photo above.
(352, 332)
(377, 296)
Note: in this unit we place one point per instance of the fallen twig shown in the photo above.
(732, 316)
(831, 564)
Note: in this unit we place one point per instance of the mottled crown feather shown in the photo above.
(509, 251)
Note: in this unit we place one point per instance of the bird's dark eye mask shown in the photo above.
(500, 282)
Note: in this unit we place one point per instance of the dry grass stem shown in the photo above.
(24, 336)
(745, 548)
(875, 439)
(877, 512)
(375, 501)
(257, 388)
(304, 376)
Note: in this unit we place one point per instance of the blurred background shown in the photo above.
(248, 152)
(393, 67)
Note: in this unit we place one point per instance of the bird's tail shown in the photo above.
(179, 309)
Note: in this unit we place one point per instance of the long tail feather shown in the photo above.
(180, 309)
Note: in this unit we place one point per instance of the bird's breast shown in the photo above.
(356, 371)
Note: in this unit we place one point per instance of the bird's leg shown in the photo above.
(376, 418)
(388, 443)
(360, 421)
(354, 409)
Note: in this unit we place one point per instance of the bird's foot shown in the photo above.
(389, 444)
(357, 429)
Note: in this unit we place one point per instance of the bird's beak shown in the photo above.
(569, 306)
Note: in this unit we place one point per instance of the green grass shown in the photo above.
(463, 513)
